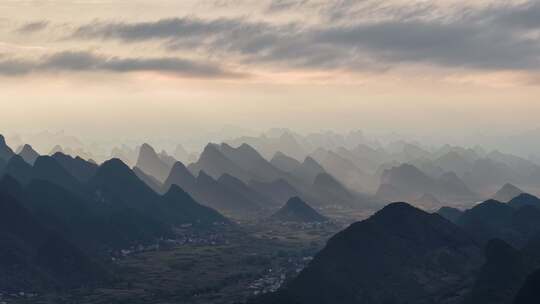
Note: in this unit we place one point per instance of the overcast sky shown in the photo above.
(106, 68)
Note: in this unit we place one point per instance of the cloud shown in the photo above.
(276, 6)
(477, 39)
(33, 27)
(88, 62)
(524, 16)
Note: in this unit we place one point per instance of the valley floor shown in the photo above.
(228, 266)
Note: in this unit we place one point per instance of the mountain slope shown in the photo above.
(214, 163)
(296, 210)
(501, 276)
(20, 170)
(399, 255)
(5, 151)
(116, 183)
(529, 293)
(33, 257)
(150, 163)
(451, 214)
(409, 183)
(523, 200)
(327, 189)
(252, 162)
(492, 219)
(28, 154)
(180, 176)
(79, 168)
(279, 190)
(188, 210)
(284, 163)
(507, 192)
(308, 170)
(212, 193)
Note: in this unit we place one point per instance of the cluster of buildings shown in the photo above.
(275, 277)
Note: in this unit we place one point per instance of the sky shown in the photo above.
(103, 68)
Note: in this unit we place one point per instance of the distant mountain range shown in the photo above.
(61, 214)
(406, 182)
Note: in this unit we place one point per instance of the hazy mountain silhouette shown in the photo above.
(455, 161)
(33, 257)
(365, 158)
(485, 175)
(284, 162)
(127, 154)
(409, 183)
(167, 159)
(405, 151)
(150, 163)
(237, 185)
(427, 201)
(296, 210)
(185, 210)
(399, 255)
(507, 192)
(79, 168)
(345, 170)
(219, 196)
(331, 192)
(279, 190)
(276, 140)
(308, 170)
(214, 163)
(149, 180)
(451, 187)
(520, 167)
(180, 176)
(181, 154)
(28, 154)
(57, 149)
(389, 193)
(227, 193)
(5, 151)
(288, 144)
(247, 158)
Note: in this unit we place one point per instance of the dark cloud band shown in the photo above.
(87, 62)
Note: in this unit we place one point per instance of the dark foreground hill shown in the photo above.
(515, 222)
(530, 291)
(33, 257)
(114, 209)
(399, 255)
